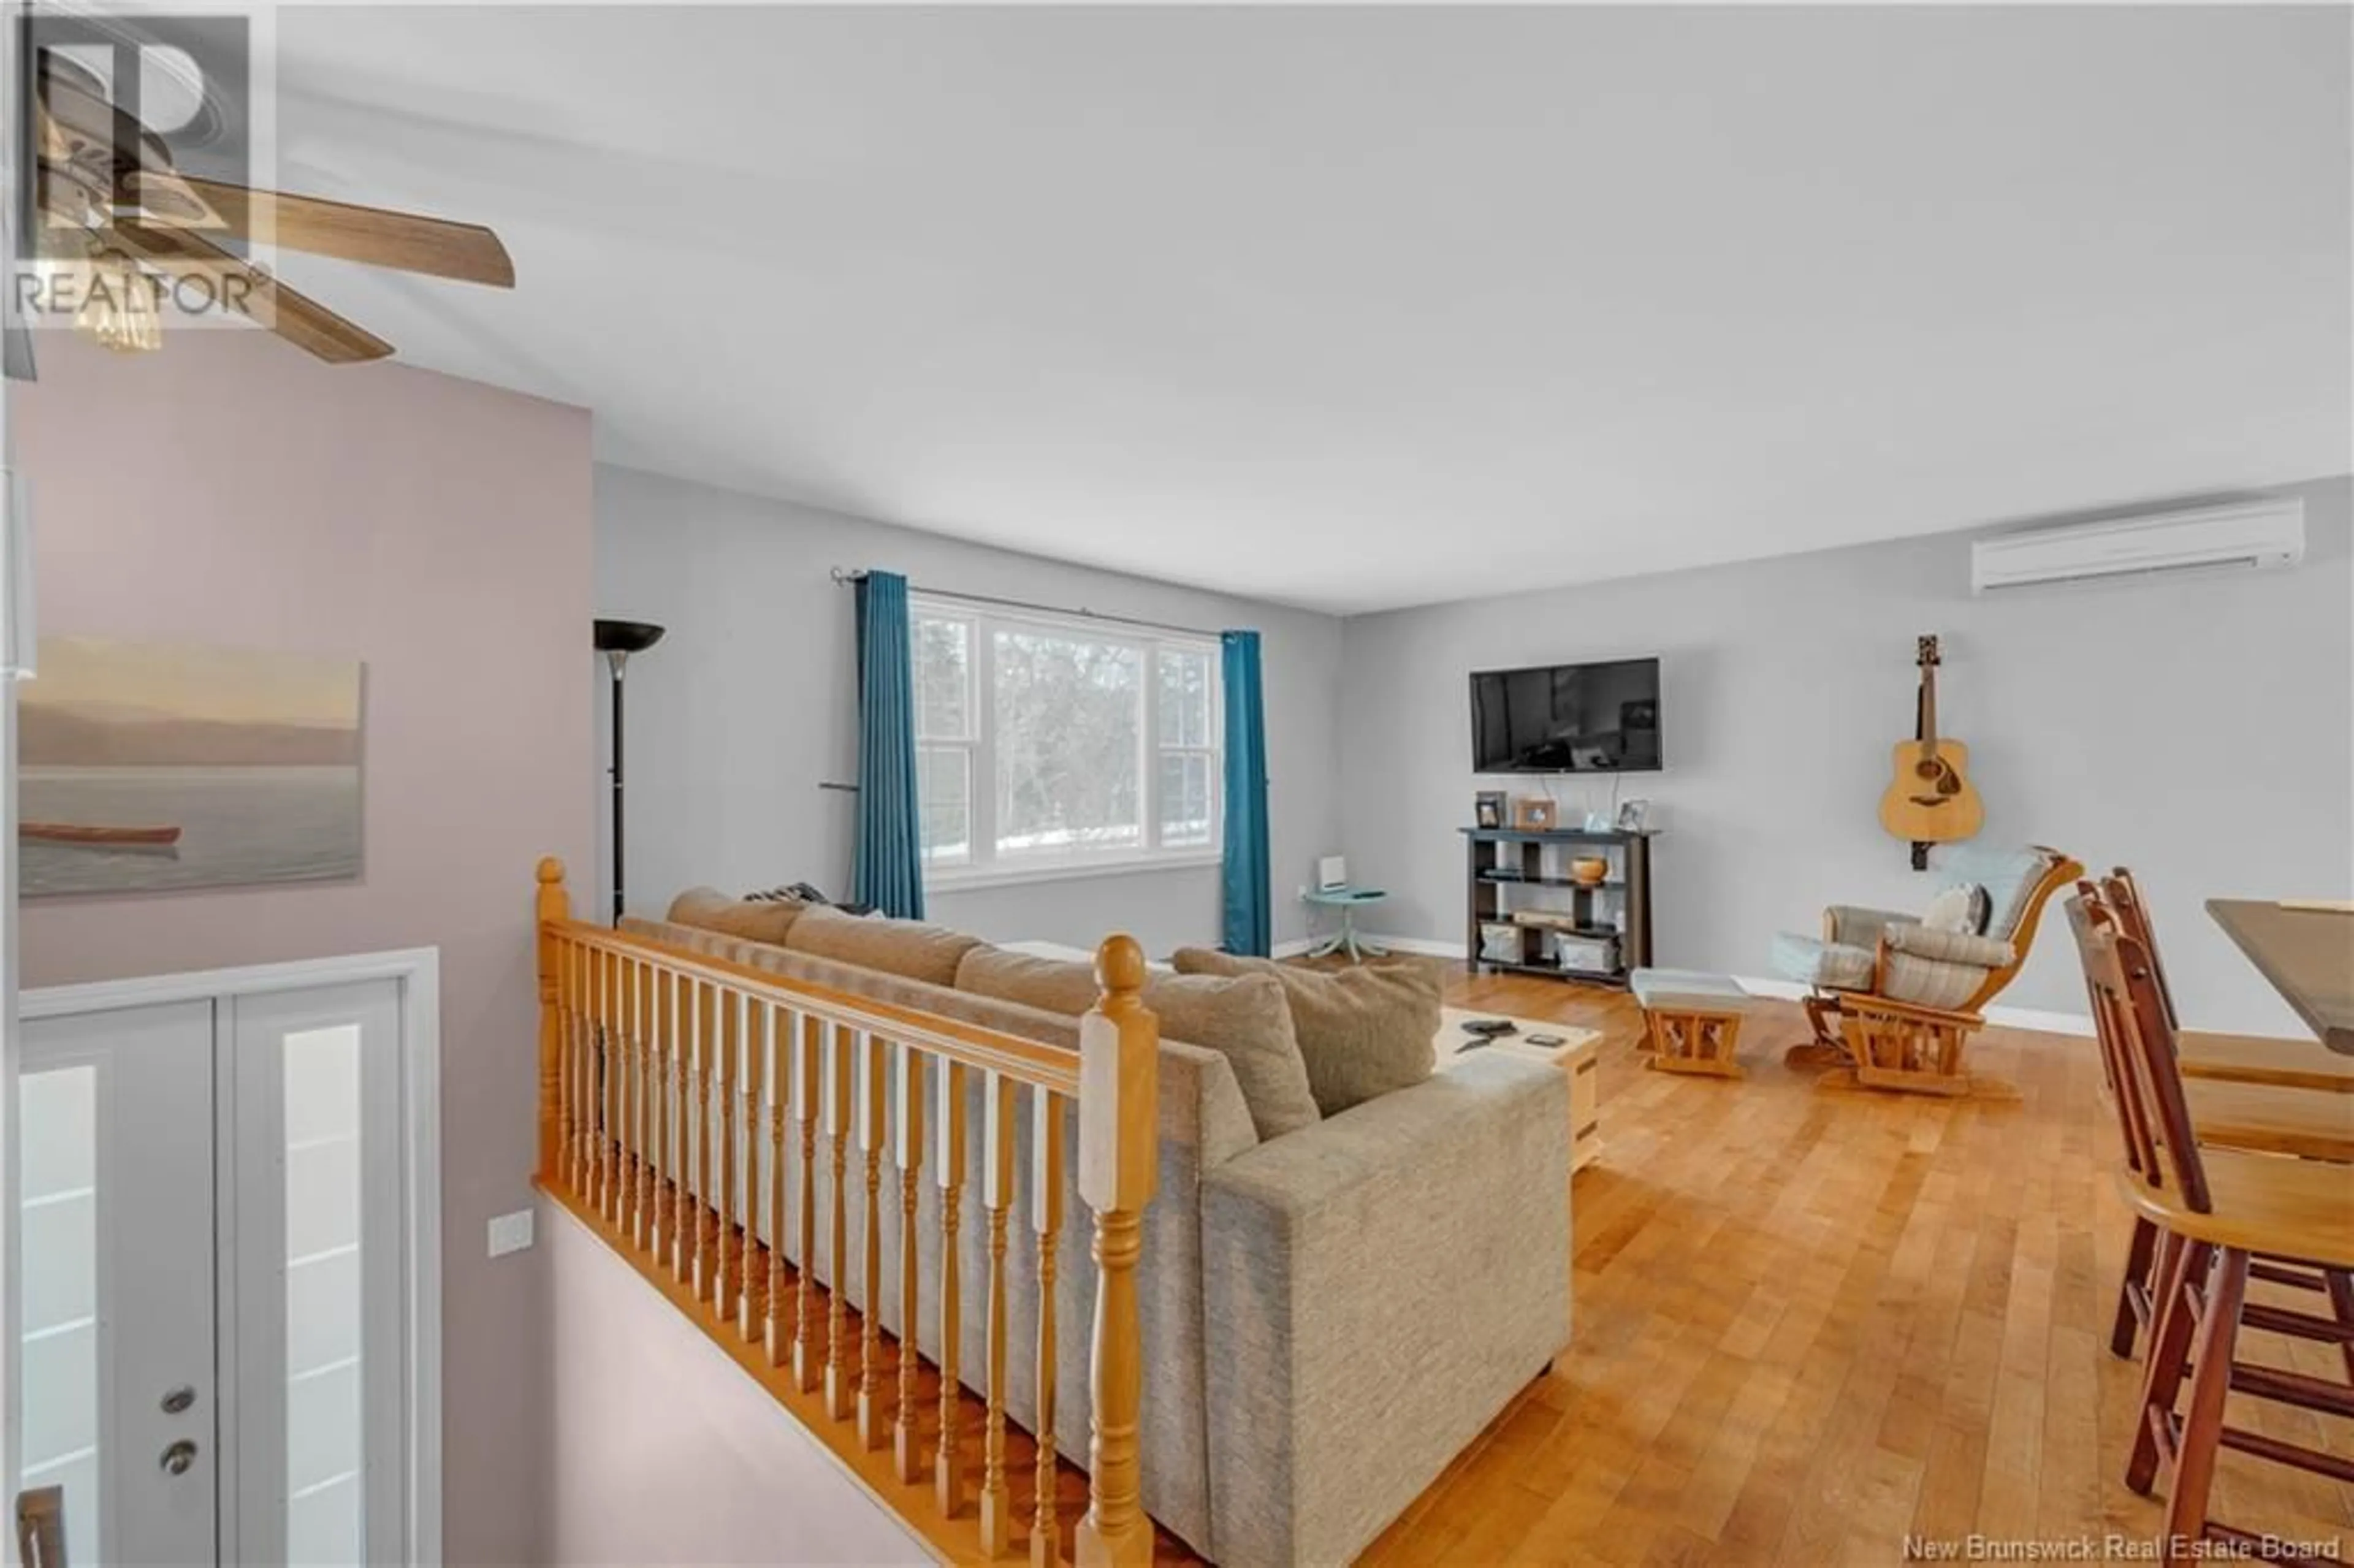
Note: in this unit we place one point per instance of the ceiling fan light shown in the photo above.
(119, 310)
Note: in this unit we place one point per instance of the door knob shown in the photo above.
(178, 1457)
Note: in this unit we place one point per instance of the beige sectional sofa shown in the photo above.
(1330, 1314)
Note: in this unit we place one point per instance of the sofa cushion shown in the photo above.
(1364, 1030)
(910, 948)
(712, 910)
(1243, 1018)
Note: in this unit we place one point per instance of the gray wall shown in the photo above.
(2196, 729)
(748, 704)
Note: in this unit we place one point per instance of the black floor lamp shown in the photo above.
(616, 640)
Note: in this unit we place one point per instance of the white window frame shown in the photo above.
(984, 867)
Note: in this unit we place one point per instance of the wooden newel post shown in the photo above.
(555, 905)
(1118, 1157)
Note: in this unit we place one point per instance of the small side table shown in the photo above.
(1348, 901)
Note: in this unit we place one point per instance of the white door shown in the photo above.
(216, 1341)
(319, 1347)
(119, 1400)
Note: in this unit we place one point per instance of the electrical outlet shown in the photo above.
(510, 1233)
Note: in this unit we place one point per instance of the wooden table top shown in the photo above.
(2307, 954)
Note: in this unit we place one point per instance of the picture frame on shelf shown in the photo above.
(1487, 812)
(1535, 813)
(1634, 816)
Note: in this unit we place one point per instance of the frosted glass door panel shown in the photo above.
(319, 1179)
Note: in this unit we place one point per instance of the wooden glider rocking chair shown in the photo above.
(1898, 1000)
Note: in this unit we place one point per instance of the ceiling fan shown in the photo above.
(108, 195)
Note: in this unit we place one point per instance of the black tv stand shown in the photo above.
(1502, 861)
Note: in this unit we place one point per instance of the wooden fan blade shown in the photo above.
(373, 235)
(299, 319)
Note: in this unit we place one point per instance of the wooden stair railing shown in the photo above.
(688, 1103)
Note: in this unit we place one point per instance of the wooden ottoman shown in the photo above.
(1691, 1021)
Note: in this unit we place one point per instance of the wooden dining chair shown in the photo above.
(2137, 1290)
(2259, 1113)
(2241, 1058)
(2217, 1211)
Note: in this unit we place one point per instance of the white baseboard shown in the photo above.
(2036, 1017)
(1293, 949)
(1426, 946)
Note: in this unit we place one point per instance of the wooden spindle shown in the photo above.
(874, 1094)
(840, 1375)
(781, 1056)
(1046, 1217)
(567, 1070)
(608, 1139)
(683, 1227)
(591, 1079)
(809, 1355)
(948, 1466)
(625, 993)
(592, 1087)
(726, 1205)
(997, 1128)
(552, 908)
(908, 1084)
(1118, 1160)
(647, 1108)
(584, 1089)
(665, 1218)
(584, 1075)
(753, 1324)
(707, 1155)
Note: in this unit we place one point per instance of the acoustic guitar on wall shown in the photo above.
(1931, 800)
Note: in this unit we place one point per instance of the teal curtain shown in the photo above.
(886, 860)
(1249, 925)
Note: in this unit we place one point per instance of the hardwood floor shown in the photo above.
(1809, 1324)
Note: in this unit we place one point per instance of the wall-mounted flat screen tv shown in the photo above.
(1567, 718)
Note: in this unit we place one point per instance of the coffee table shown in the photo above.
(1580, 1057)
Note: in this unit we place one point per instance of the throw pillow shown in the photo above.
(713, 910)
(910, 948)
(1243, 1018)
(1960, 907)
(1364, 1030)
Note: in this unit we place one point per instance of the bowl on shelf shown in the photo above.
(1590, 870)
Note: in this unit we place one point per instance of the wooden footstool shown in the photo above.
(1691, 1021)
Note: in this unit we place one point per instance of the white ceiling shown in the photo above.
(1359, 308)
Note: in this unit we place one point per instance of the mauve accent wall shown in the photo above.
(231, 489)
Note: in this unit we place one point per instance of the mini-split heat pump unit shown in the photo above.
(2243, 535)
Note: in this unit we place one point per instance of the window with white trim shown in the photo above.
(1047, 743)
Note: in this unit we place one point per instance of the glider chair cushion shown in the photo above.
(2009, 876)
(1831, 966)
(1859, 928)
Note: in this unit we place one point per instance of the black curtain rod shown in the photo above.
(846, 578)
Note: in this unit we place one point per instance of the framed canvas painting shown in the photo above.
(143, 767)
